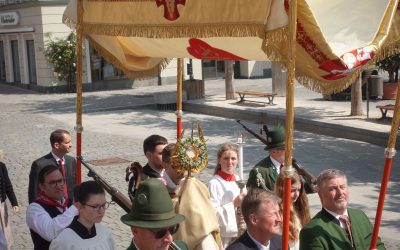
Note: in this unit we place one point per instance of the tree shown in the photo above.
(391, 64)
(229, 88)
(61, 54)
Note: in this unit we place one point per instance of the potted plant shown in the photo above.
(61, 54)
(390, 64)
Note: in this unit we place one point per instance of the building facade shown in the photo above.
(24, 25)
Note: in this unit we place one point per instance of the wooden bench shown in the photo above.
(243, 94)
(384, 109)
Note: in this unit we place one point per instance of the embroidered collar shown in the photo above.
(226, 176)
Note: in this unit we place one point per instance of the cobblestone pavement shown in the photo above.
(27, 118)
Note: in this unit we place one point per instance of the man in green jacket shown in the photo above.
(336, 226)
(152, 219)
(265, 172)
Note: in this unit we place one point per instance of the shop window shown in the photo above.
(213, 69)
(102, 69)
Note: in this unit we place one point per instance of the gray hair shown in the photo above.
(327, 175)
(253, 200)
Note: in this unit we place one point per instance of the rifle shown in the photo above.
(310, 179)
(116, 195)
(262, 139)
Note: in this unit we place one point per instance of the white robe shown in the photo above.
(222, 194)
(69, 240)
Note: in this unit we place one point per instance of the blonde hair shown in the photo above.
(299, 209)
(223, 149)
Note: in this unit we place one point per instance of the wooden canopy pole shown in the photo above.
(389, 154)
(288, 169)
(78, 126)
(179, 98)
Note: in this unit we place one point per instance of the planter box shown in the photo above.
(389, 91)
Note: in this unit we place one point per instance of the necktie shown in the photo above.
(346, 222)
(60, 162)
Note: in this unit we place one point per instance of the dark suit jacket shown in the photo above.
(70, 169)
(324, 232)
(6, 188)
(244, 242)
(149, 172)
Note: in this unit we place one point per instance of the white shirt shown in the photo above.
(277, 165)
(58, 158)
(342, 225)
(41, 222)
(259, 245)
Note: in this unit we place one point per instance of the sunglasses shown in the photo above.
(162, 232)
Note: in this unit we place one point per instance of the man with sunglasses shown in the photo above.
(51, 212)
(152, 219)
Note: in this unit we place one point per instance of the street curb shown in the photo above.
(301, 124)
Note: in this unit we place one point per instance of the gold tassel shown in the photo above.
(178, 31)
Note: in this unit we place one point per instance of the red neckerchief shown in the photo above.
(42, 198)
(226, 176)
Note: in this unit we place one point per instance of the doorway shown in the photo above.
(2, 63)
(15, 61)
(30, 50)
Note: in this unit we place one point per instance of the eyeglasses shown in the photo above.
(55, 182)
(99, 207)
(162, 232)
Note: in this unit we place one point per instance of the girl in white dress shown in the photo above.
(225, 194)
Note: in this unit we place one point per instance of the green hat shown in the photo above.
(276, 139)
(152, 207)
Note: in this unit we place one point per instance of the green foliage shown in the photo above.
(391, 64)
(61, 54)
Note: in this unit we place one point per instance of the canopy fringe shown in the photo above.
(275, 36)
(142, 74)
(168, 31)
(387, 50)
(271, 38)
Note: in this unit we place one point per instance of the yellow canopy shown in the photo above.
(336, 40)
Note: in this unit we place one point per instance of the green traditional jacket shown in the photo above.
(182, 245)
(324, 232)
(266, 169)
